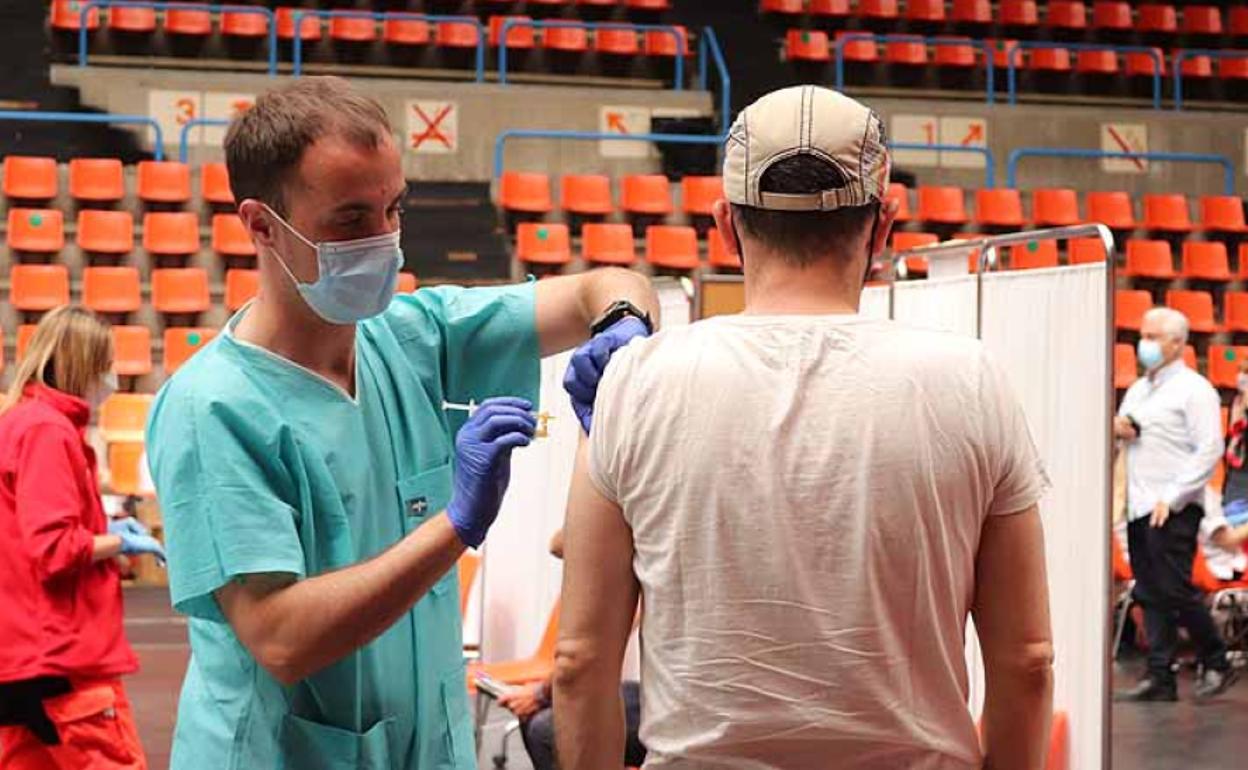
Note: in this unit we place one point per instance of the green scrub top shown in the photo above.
(262, 466)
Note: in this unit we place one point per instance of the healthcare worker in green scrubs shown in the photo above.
(315, 494)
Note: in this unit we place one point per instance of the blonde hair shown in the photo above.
(70, 350)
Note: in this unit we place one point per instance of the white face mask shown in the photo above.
(355, 279)
(98, 393)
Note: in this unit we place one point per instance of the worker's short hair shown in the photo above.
(265, 143)
(1173, 321)
(805, 237)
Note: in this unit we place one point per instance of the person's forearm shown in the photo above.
(589, 714)
(105, 547)
(1018, 711)
(318, 621)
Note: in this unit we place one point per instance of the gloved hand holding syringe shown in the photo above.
(470, 408)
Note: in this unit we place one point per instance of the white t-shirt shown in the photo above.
(806, 496)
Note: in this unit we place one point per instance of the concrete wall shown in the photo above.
(485, 110)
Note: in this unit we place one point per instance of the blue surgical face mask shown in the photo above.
(1149, 353)
(355, 279)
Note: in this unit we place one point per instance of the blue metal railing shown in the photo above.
(1016, 55)
(1228, 168)
(838, 51)
(158, 146)
(513, 23)
(184, 136)
(1193, 53)
(298, 16)
(90, 5)
(990, 161)
(708, 47)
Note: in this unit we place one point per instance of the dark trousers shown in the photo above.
(1161, 558)
(539, 732)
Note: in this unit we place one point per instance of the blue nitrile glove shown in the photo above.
(483, 463)
(1236, 512)
(590, 361)
(136, 539)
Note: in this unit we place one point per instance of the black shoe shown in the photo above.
(1148, 689)
(1214, 682)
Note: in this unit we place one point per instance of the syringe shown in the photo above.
(543, 418)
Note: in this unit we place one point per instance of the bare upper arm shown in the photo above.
(243, 602)
(1011, 604)
(560, 313)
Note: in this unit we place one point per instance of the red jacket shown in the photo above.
(60, 614)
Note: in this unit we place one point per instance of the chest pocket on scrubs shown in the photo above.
(426, 495)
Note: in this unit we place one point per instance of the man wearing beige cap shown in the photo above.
(810, 502)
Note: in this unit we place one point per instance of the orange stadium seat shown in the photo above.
(456, 34)
(945, 205)
(1126, 369)
(96, 179)
(926, 10)
(905, 241)
(1201, 20)
(717, 254)
(1237, 23)
(619, 42)
(648, 5)
(241, 287)
(239, 24)
(518, 35)
(1050, 60)
(111, 289)
(1082, 251)
(175, 232)
(1000, 207)
(1034, 254)
(1112, 209)
(900, 193)
(192, 22)
(543, 244)
(37, 288)
(105, 232)
(1141, 64)
(132, 350)
(1236, 311)
(30, 178)
(536, 668)
(352, 29)
(912, 52)
(585, 194)
(699, 193)
(309, 25)
(787, 7)
(1130, 305)
(164, 182)
(1096, 62)
(1167, 213)
(608, 244)
(1189, 356)
(1197, 67)
(657, 42)
(1224, 364)
(1055, 207)
(862, 51)
(406, 32)
(646, 194)
(955, 54)
(1112, 15)
(180, 290)
(1018, 13)
(971, 12)
(406, 284)
(1197, 306)
(807, 45)
(1067, 15)
(24, 334)
(230, 236)
(36, 230)
(214, 184)
(66, 15)
(1154, 17)
(1222, 213)
(1242, 262)
(1205, 261)
(1149, 259)
(883, 10)
(124, 474)
(1233, 68)
(182, 343)
(525, 192)
(672, 247)
(124, 415)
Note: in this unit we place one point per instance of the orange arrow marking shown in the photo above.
(615, 122)
(975, 134)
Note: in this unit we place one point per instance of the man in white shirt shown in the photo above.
(1171, 424)
(811, 502)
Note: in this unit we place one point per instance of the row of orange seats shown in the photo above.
(173, 233)
(132, 347)
(1201, 261)
(1024, 256)
(1131, 304)
(590, 194)
(102, 180)
(666, 246)
(1112, 16)
(1221, 365)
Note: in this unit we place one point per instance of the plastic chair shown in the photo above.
(1149, 259)
(1130, 305)
(30, 178)
(698, 194)
(1050, 60)
(786, 7)
(608, 244)
(971, 12)
(570, 39)
(1083, 251)
(543, 244)
(1033, 255)
(656, 42)
(1112, 209)
(241, 287)
(932, 11)
(672, 247)
(456, 34)
(96, 179)
(1205, 261)
(352, 29)
(900, 193)
(1222, 213)
(1112, 16)
(164, 182)
(1237, 21)
(181, 343)
(1067, 15)
(1197, 306)
(1201, 20)
(1141, 65)
(880, 10)
(908, 52)
(1153, 17)
(105, 232)
(124, 415)
(194, 23)
(518, 35)
(180, 290)
(1235, 68)
(230, 237)
(1224, 365)
(132, 350)
(174, 232)
(588, 194)
(214, 184)
(538, 667)
(111, 289)
(860, 51)
(961, 55)
(617, 42)
(1057, 207)
(1019, 13)
(36, 230)
(469, 566)
(1168, 213)
(124, 474)
(245, 25)
(646, 194)
(309, 25)
(1001, 207)
(717, 254)
(829, 8)
(1096, 62)
(35, 288)
(807, 45)
(406, 32)
(524, 192)
(945, 205)
(1126, 368)
(1236, 304)
(406, 284)
(67, 14)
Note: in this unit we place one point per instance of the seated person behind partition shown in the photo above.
(531, 705)
(1222, 542)
(807, 576)
(1235, 487)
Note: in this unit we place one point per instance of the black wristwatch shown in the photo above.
(619, 310)
(1135, 426)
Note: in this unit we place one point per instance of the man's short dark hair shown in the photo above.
(805, 237)
(264, 145)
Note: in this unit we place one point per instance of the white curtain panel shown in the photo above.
(874, 302)
(947, 304)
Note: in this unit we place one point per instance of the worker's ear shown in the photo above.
(259, 223)
(889, 207)
(722, 212)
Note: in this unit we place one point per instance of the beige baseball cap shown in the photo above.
(806, 120)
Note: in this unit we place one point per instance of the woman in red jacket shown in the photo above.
(62, 704)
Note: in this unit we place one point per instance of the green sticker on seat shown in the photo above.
(1229, 355)
(193, 338)
(36, 220)
(541, 233)
(1033, 245)
(805, 37)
